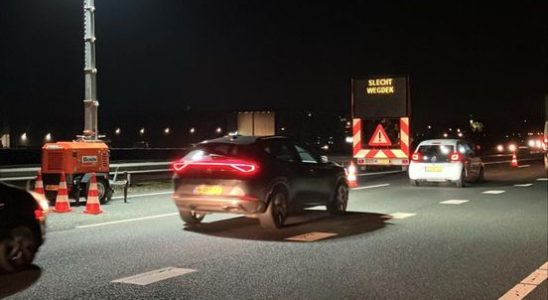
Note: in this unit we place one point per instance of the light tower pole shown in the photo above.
(90, 71)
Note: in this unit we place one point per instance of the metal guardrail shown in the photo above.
(29, 173)
(142, 168)
(135, 168)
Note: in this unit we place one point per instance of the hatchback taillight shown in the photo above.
(416, 156)
(455, 157)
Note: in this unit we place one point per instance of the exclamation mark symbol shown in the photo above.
(380, 137)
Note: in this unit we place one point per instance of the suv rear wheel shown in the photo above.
(338, 204)
(191, 216)
(276, 212)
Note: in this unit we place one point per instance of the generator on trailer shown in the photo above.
(77, 160)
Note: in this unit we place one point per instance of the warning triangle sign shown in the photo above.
(379, 138)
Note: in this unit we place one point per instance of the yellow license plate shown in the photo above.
(383, 161)
(434, 168)
(50, 187)
(208, 190)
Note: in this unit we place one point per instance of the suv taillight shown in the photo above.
(238, 166)
(455, 157)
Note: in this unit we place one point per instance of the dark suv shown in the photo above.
(263, 177)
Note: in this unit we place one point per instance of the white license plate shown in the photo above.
(208, 190)
(433, 168)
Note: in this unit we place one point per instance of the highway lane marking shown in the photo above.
(402, 215)
(370, 186)
(144, 195)
(494, 192)
(523, 185)
(528, 284)
(380, 173)
(542, 179)
(311, 236)
(509, 161)
(454, 201)
(126, 220)
(524, 166)
(154, 276)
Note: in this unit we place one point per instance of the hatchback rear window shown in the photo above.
(440, 151)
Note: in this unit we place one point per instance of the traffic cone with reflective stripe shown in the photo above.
(514, 160)
(351, 175)
(39, 184)
(62, 204)
(92, 204)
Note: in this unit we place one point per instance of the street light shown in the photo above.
(142, 131)
(445, 135)
(219, 130)
(192, 130)
(167, 130)
(117, 131)
(48, 137)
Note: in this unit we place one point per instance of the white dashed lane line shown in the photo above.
(370, 186)
(401, 215)
(494, 192)
(523, 185)
(311, 236)
(542, 179)
(154, 276)
(126, 220)
(524, 166)
(454, 202)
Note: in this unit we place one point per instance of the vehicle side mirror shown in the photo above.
(324, 159)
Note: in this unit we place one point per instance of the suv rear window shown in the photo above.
(229, 150)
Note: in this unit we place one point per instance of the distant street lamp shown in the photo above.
(117, 131)
(167, 131)
(192, 130)
(48, 137)
(142, 131)
(283, 128)
(460, 134)
(429, 126)
(219, 130)
(445, 135)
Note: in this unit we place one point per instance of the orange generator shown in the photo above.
(78, 160)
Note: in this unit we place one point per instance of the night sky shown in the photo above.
(159, 60)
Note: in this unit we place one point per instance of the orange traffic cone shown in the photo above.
(39, 184)
(351, 175)
(92, 203)
(62, 204)
(514, 160)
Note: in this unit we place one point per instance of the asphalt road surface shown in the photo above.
(396, 242)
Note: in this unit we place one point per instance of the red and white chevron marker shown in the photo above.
(92, 204)
(391, 153)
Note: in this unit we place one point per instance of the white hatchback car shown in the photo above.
(445, 160)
